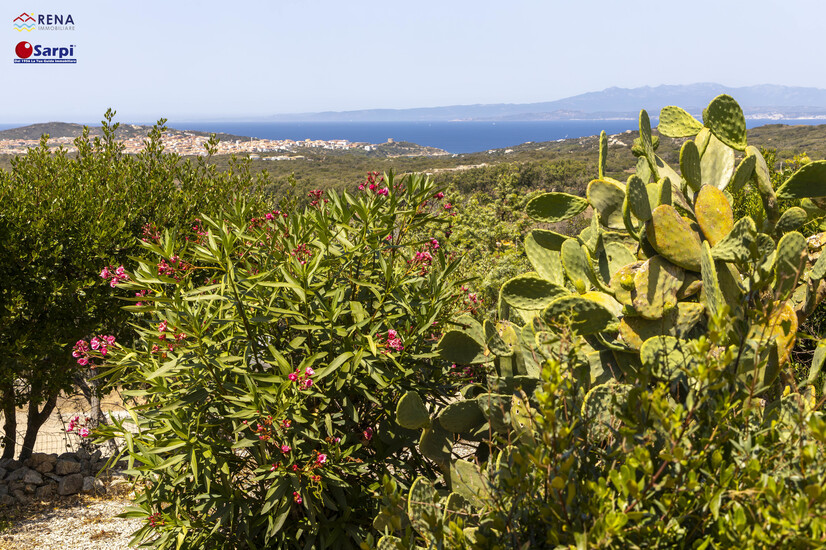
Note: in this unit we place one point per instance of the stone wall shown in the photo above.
(48, 476)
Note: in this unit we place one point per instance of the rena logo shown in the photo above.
(27, 53)
(24, 22)
(44, 22)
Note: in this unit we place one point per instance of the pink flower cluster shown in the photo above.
(150, 233)
(375, 183)
(83, 351)
(115, 275)
(172, 339)
(76, 424)
(302, 253)
(302, 378)
(171, 268)
(393, 342)
(316, 196)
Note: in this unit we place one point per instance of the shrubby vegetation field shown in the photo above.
(617, 347)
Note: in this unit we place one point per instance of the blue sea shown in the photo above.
(454, 137)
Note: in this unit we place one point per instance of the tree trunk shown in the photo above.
(35, 420)
(10, 428)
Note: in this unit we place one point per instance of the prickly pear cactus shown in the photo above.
(664, 255)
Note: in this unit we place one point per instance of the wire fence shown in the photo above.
(54, 436)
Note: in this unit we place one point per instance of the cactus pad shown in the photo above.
(421, 507)
(717, 163)
(555, 207)
(622, 282)
(544, 259)
(601, 406)
(530, 292)
(672, 237)
(714, 214)
(808, 182)
(436, 443)
(468, 481)
(791, 219)
(614, 257)
(792, 253)
(638, 198)
(603, 153)
(461, 417)
(711, 284)
(606, 198)
(411, 412)
(606, 301)
(676, 123)
(737, 245)
(460, 347)
(725, 119)
(577, 265)
(656, 285)
(692, 284)
(665, 357)
(585, 316)
(780, 326)
(636, 330)
(742, 174)
(690, 165)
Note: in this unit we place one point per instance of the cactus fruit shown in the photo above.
(714, 214)
(555, 207)
(725, 119)
(676, 123)
(672, 237)
(578, 266)
(808, 182)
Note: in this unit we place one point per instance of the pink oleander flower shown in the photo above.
(285, 448)
(297, 498)
(269, 216)
(321, 459)
(434, 244)
(383, 192)
(109, 339)
(368, 434)
(95, 343)
(292, 376)
(84, 432)
(82, 361)
(309, 371)
(439, 195)
(104, 273)
(307, 384)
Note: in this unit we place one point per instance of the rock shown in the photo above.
(3, 473)
(21, 497)
(69, 456)
(93, 485)
(10, 464)
(64, 467)
(18, 474)
(70, 485)
(4, 489)
(54, 477)
(42, 462)
(96, 455)
(83, 454)
(30, 489)
(16, 486)
(7, 500)
(45, 492)
(32, 477)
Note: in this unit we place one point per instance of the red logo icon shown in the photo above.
(23, 50)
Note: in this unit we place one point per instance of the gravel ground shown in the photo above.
(80, 523)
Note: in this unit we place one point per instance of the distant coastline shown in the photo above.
(455, 137)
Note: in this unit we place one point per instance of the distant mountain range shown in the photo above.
(765, 101)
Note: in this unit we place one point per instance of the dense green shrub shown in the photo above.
(646, 398)
(63, 218)
(273, 348)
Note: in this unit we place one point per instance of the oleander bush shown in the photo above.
(273, 347)
(639, 389)
(64, 217)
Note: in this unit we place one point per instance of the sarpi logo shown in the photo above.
(24, 22)
(44, 22)
(27, 53)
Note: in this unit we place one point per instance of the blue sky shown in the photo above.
(207, 60)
